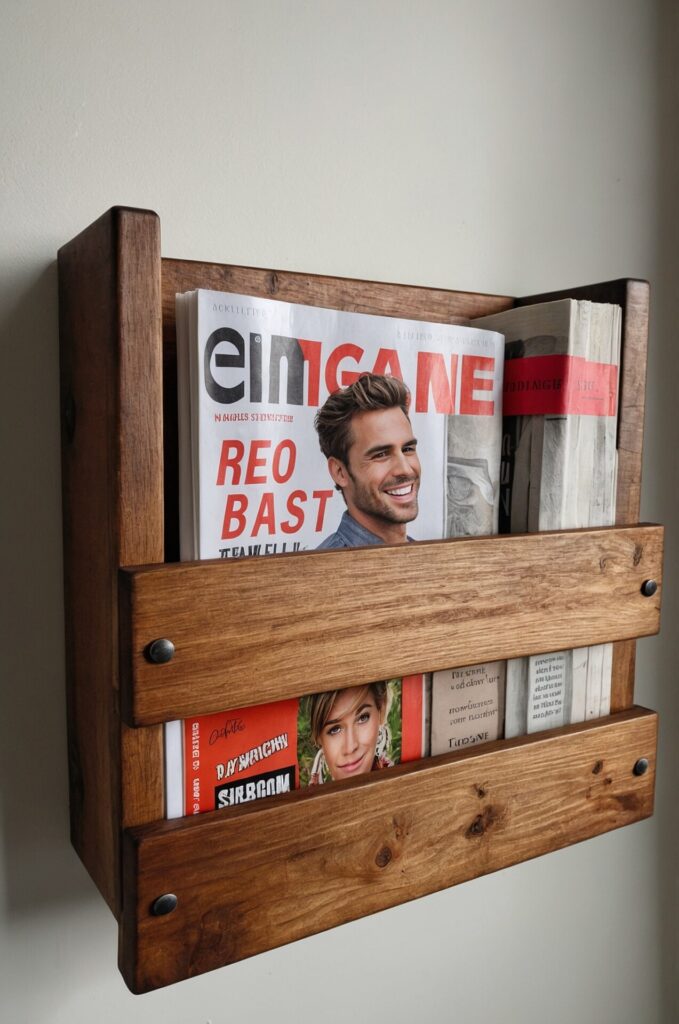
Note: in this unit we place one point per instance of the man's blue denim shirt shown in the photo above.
(350, 534)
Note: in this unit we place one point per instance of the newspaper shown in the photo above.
(559, 472)
(252, 373)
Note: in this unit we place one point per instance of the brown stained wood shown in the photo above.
(263, 874)
(633, 297)
(255, 877)
(254, 630)
(407, 301)
(140, 434)
(112, 505)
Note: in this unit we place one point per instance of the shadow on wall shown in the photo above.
(663, 495)
(40, 866)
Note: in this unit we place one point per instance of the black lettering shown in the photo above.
(290, 350)
(219, 393)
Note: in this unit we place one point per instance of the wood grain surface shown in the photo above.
(263, 874)
(253, 630)
(109, 304)
(378, 297)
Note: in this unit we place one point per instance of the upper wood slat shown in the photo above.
(349, 294)
(255, 630)
(258, 875)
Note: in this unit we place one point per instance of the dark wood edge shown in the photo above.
(109, 312)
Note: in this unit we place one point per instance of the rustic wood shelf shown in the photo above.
(259, 875)
(459, 602)
(255, 876)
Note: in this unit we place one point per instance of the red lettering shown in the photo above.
(387, 363)
(256, 463)
(279, 475)
(227, 460)
(294, 524)
(431, 373)
(322, 497)
(471, 365)
(348, 376)
(265, 515)
(311, 350)
(236, 505)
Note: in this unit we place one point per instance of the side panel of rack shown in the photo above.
(112, 470)
(260, 875)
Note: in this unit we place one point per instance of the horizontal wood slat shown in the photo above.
(257, 876)
(255, 630)
(380, 298)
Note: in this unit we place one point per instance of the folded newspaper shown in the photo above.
(559, 471)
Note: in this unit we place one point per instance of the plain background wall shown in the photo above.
(485, 145)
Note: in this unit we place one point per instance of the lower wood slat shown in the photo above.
(258, 876)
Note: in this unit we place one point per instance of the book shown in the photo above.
(252, 373)
(559, 469)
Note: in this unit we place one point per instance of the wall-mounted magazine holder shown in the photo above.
(197, 893)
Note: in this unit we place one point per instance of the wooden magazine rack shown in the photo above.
(196, 893)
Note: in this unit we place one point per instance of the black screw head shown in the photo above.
(160, 651)
(164, 904)
(641, 767)
(648, 588)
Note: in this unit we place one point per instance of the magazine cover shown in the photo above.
(253, 372)
(250, 753)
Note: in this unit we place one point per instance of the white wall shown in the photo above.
(474, 144)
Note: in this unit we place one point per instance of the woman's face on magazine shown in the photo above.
(349, 736)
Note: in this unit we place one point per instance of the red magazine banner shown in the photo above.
(240, 755)
(412, 717)
(559, 386)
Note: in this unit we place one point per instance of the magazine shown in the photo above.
(249, 753)
(252, 374)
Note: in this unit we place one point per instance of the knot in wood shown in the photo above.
(484, 821)
(477, 827)
(598, 767)
(383, 857)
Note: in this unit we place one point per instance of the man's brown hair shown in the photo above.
(371, 391)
